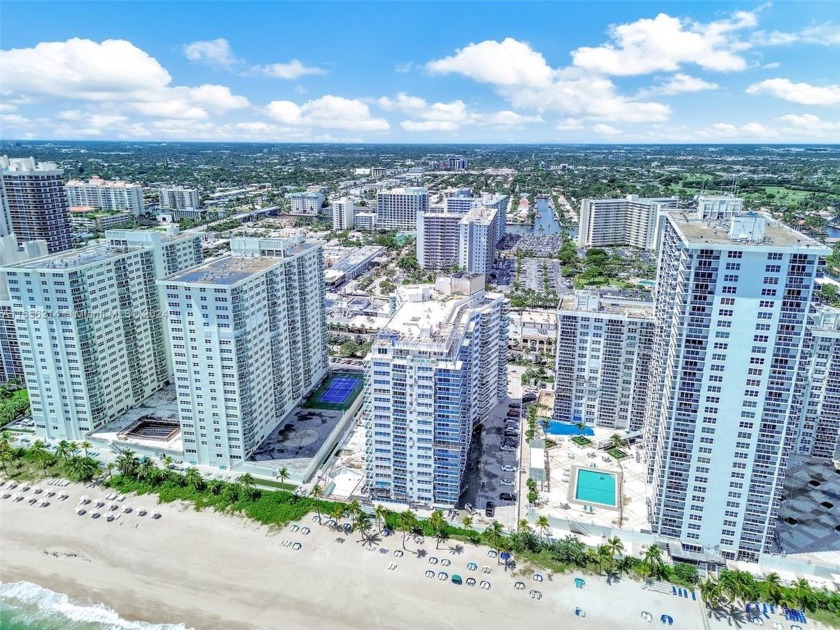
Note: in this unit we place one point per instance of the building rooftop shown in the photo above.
(76, 258)
(592, 302)
(225, 271)
(357, 256)
(755, 230)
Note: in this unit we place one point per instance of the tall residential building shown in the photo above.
(106, 195)
(11, 251)
(5, 219)
(438, 236)
(305, 202)
(628, 221)
(397, 209)
(604, 347)
(463, 237)
(731, 306)
(819, 431)
(433, 373)
(179, 198)
(91, 335)
(37, 202)
(249, 341)
(344, 212)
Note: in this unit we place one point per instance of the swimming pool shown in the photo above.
(567, 428)
(595, 486)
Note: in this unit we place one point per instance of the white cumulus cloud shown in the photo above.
(327, 112)
(606, 130)
(509, 62)
(749, 131)
(292, 70)
(678, 84)
(827, 34)
(214, 52)
(666, 43)
(809, 122)
(802, 93)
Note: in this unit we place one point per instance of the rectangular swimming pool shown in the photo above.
(595, 486)
(556, 427)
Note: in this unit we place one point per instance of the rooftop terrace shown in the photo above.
(225, 271)
(77, 258)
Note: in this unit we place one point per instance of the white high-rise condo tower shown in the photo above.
(106, 195)
(91, 335)
(628, 221)
(37, 202)
(732, 304)
(249, 341)
(433, 373)
(397, 209)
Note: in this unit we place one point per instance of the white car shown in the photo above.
(508, 468)
(507, 482)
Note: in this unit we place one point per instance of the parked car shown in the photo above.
(507, 447)
(507, 496)
(507, 468)
(507, 482)
(489, 509)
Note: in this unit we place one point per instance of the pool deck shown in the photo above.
(617, 481)
(558, 493)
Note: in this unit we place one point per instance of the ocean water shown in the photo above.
(27, 606)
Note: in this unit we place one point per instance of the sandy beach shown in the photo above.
(210, 570)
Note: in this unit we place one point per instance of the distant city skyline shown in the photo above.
(417, 72)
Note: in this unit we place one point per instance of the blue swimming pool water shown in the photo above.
(567, 428)
(594, 486)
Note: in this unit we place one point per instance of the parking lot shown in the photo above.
(492, 471)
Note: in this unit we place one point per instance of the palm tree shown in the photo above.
(467, 522)
(338, 514)
(617, 440)
(354, 509)
(283, 474)
(82, 468)
(193, 479)
(316, 493)
(710, 592)
(802, 592)
(362, 523)
(39, 452)
(581, 426)
(64, 449)
(380, 513)
(127, 462)
(495, 535)
(406, 523)
(773, 588)
(604, 559)
(543, 524)
(615, 545)
(437, 523)
(167, 461)
(5, 458)
(231, 492)
(146, 471)
(653, 561)
(523, 525)
(86, 446)
(248, 485)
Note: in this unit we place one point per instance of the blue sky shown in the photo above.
(421, 71)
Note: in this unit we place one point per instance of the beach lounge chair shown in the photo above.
(111, 517)
(485, 585)
(94, 515)
(485, 569)
(383, 550)
(6, 495)
(470, 581)
(392, 565)
(32, 500)
(580, 612)
(17, 498)
(538, 577)
(398, 553)
(127, 509)
(141, 512)
(492, 553)
(37, 490)
(156, 515)
(295, 528)
(443, 575)
(51, 493)
(80, 511)
(579, 582)
(44, 503)
(305, 531)
(456, 579)
(777, 626)
(297, 546)
(519, 586)
(647, 616)
(535, 594)
(430, 574)
(446, 562)
(63, 496)
(433, 560)
(693, 596)
(472, 566)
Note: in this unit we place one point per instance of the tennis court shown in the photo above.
(339, 389)
(338, 392)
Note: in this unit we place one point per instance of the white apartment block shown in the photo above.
(478, 234)
(305, 202)
(249, 341)
(5, 218)
(37, 202)
(11, 251)
(731, 305)
(397, 208)
(628, 221)
(365, 221)
(819, 432)
(179, 198)
(438, 235)
(344, 212)
(433, 373)
(106, 195)
(604, 347)
(718, 206)
(91, 335)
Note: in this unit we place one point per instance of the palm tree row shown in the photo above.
(65, 461)
(735, 588)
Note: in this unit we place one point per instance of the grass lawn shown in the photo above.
(581, 441)
(268, 483)
(617, 453)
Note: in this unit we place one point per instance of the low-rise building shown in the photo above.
(308, 203)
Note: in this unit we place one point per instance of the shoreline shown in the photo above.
(224, 571)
